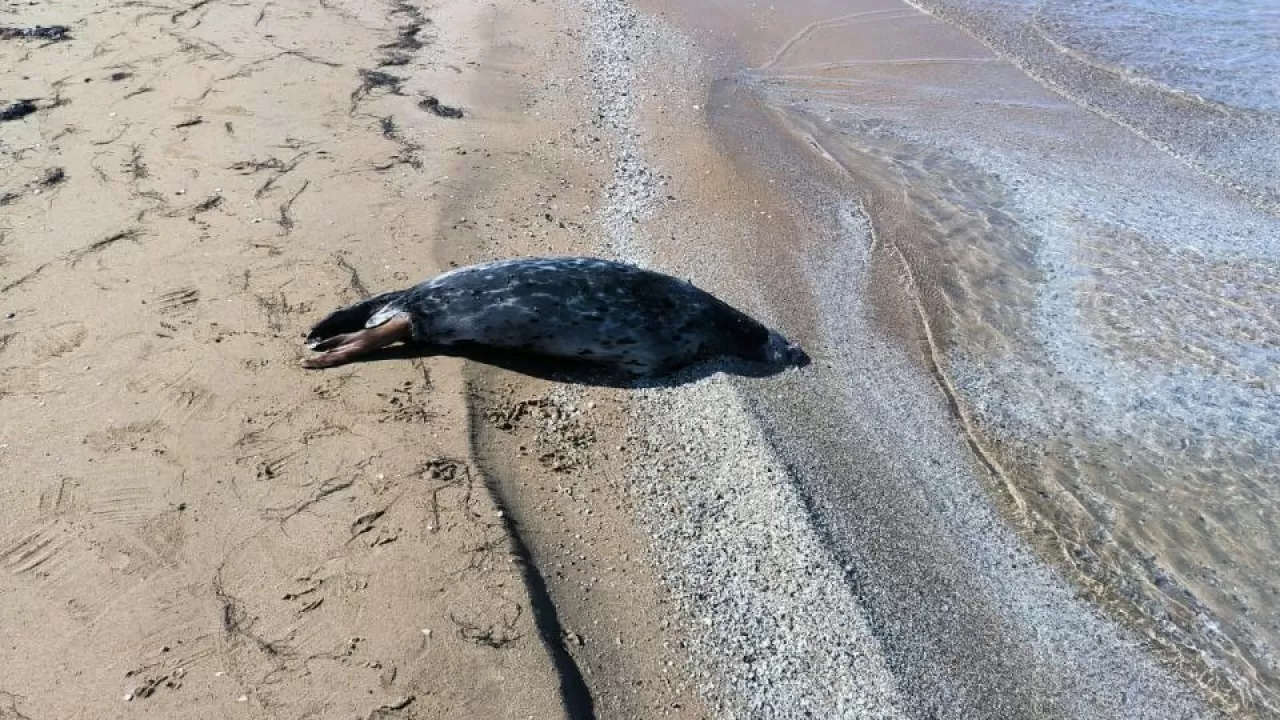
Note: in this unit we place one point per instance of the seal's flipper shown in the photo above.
(351, 318)
(330, 343)
(345, 348)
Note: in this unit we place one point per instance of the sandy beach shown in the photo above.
(191, 525)
(194, 526)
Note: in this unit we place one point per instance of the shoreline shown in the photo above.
(993, 645)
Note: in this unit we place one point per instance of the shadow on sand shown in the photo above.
(577, 372)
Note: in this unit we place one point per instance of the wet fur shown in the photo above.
(581, 309)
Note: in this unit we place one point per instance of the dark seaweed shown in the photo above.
(378, 79)
(53, 176)
(433, 105)
(394, 60)
(407, 38)
(55, 33)
(18, 110)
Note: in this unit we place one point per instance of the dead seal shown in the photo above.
(578, 308)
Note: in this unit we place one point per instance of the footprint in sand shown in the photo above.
(54, 341)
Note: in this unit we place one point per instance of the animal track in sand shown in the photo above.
(128, 437)
(58, 340)
(406, 404)
(175, 301)
(36, 553)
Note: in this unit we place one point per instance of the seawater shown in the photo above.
(1094, 249)
(1227, 51)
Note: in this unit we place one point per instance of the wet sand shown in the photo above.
(942, 587)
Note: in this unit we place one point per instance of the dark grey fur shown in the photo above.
(574, 307)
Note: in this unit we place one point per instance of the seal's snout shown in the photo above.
(797, 356)
(783, 353)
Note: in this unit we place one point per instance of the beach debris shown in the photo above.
(496, 635)
(213, 201)
(135, 167)
(286, 218)
(53, 33)
(432, 104)
(119, 75)
(178, 15)
(409, 151)
(366, 522)
(190, 122)
(378, 79)
(407, 39)
(372, 79)
(398, 704)
(149, 687)
(98, 245)
(17, 110)
(52, 176)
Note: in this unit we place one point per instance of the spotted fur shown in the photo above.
(573, 307)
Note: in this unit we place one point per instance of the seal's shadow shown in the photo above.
(578, 372)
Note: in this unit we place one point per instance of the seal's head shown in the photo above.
(780, 352)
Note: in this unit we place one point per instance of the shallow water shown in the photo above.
(1085, 217)
(1227, 51)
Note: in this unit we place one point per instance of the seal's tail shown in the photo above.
(351, 318)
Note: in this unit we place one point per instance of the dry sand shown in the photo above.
(192, 526)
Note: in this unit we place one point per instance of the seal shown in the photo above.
(579, 308)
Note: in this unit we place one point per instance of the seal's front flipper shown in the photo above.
(350, 319)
